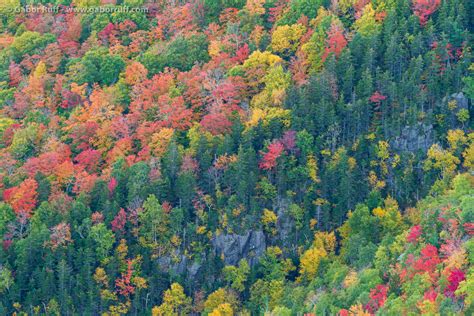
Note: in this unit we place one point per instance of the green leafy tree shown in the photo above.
(97, 66)
(103, 238)
(237, 276)
(182, 53)
(154, 224)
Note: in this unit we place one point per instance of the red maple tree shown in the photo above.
(335, 41)
(22, 198)
(377, 97)
(455, 277)
(88, 159)
(15, 74)
(378, 296)
(112, 185)
(414, 234)
(424, 8)
(428, 260)
(124, 283)
(269, 160)
(118, 223)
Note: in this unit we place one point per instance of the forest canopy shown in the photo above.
(236, 157)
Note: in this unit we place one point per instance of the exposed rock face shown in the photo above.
(461, 101)
(194, 269)
(414, 138)
(422, 136)
(182, 266)
(234, 247)
(167, 264)
(285, 224)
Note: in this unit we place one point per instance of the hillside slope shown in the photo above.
(225, 157)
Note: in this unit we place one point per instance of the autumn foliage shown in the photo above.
(269, 159)
(23, 198)
(236, 157)
(378, 296)
(424, 8)
(335, 41)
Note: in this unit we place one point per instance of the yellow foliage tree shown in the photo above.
(6, 6)
(255, 7)
(312, 166)
(256, 67)
(175, 302)
(367, 24)
(456, 138)
(325, 240)
(344, 5)
(323, 245)
(442, 160)
(269, 293)
(276, 81)
(86, 3)
(350, 279)
(222, 310)
(389, 216)
(214, 48)
(286, 38)
(309, 263)
(468, 154)
(269, 220)
(265, 115)
(218, 298)
(263, 60)
(160, 141)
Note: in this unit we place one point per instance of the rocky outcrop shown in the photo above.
(414, 138)
(285, 224)
(233, 247)
(461, 101)
(180, 265)
(175, 266)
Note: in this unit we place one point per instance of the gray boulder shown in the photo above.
(233, 247)
(461, 101)
(414, 138)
